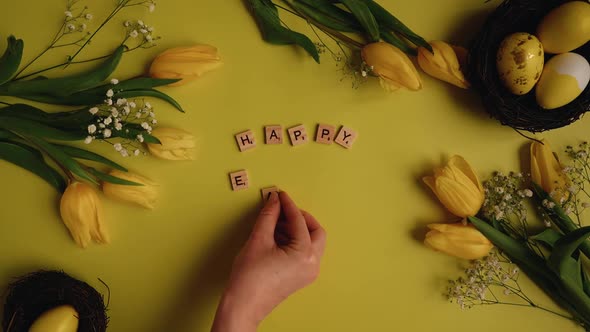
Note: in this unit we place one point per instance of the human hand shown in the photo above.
(281, 256)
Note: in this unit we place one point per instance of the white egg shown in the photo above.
(564, 78)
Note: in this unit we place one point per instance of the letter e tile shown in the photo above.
(273, 134)
(346, 137)
(246, 140)
(239, 180)
(325, 134)
(298, 135)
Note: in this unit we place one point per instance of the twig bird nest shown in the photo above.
(519, 112)
(30, 296)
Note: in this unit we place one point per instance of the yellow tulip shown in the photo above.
(187, 63)
(547, 172)
(457, 187)
(443, 64)
(392, 66)
(176, 144)
(145, 195)
(459, 240)
(81, 212)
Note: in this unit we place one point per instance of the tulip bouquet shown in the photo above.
(495, 214)
(105, 109)
(369, 39)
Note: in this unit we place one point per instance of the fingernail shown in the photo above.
(274, 197)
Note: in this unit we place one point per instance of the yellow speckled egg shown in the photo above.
(565, 28)
(564, 78)
(520, 60)
(59, 319)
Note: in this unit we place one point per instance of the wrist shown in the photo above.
(233, 316)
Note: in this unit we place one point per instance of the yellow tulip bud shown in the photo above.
(443, 63)
(176, 144)
(457, 187)
(145, 195)
(459, 240)
(547, 172)
(187, 63)
(392, 66)
(81, 212)
(59, 319)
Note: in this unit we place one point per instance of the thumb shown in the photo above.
(268, 217)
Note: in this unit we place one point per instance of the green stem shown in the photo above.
(532, 305)
(55, 40)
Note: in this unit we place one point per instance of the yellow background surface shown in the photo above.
(166, 268)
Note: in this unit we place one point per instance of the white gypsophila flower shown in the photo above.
(108, 101)
(114, 81)
(152, 7)
(108, 121)
(107, 133)
(110, 93)
(136, 152)
(124, 153)
(133, 34)
(132, 104)
(93, 110)
(114, 112)
(147, 105)
(149, 38)
(144, 31)
(151, 29)
(118, 146)
(121, 101)
(547, 223)
(126, 110)
(140, 23)
(528, 193)
(127, 23)
(152, 115)
(82, 27)
(88, 16)
(68, 14)
(363, 73)
(118, 126)
(101, 125)
(154, 121)
(138, 115)
(71, 27)
(88, 139)
(91, 129)
(145, 125)
(140, 138)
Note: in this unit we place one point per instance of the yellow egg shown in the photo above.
(519, 61)
(566, 27)
(59, 319)
(564, 78)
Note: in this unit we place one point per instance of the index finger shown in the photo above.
(295, 222)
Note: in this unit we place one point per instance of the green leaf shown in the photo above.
(31, 160)
(30, 127)
(561, 261)
(7, 135)
(87, 155)
(11, 59)
(363, 14)
(111, 179)
(516, 250)
(394, 40)
(267, 17)
(548, 237)
(585, 281)
(64, 86)
(327, 15)
(149, 93)
(62, 158)
(132, 130)
(388, 21)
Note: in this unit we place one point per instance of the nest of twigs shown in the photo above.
(30, 296)
(518, 112)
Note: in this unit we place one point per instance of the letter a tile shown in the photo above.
(239, 180)
(298, 135)
(346, 137)
(325, 134)
(246, 140)
(273, 134)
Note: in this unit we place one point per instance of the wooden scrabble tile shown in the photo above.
(273, 134)
(239, 180)
(325, 134)
(298, 135)
(267, 191)
(346, 137)
(246, 140)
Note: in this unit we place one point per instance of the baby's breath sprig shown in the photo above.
(491, 280)
(578, 172)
